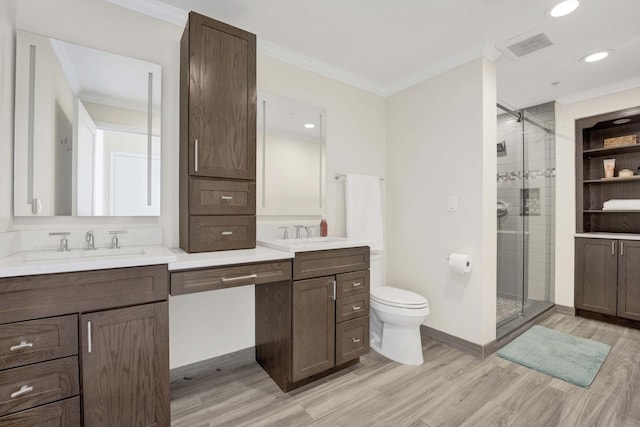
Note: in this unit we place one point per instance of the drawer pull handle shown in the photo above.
(23, 390)
(23, 344)
(229, 279)
(356, 307)
(355, 339)
(227, 233)
(226, 197)
(357, 284)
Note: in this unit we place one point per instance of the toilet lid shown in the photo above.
(398, 297)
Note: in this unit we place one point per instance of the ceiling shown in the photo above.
(385, 46)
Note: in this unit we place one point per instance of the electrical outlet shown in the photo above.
(452, 206)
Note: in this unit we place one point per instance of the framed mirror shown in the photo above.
(87, 131)
(291, 157)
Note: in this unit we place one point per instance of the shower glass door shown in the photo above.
(525, 214)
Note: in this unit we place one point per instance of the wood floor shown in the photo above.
(450, 389)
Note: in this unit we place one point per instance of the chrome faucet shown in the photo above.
(286, 232)
(64, 243)
(115, 243)
(298, 227)
(309, 230)
(91, 240)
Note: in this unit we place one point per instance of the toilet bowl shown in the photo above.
(396, 316)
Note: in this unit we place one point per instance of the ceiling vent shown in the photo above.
(530, 45)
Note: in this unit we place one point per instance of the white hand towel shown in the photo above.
(363, 210)
(621, 205)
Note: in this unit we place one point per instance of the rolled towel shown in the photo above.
(621, 205)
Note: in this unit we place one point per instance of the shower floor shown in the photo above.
(508, 306)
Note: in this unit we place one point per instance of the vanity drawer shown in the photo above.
(334, 261)
(64, 413)
(33, 341)
(352, 339)
(32, 297)
(38, 384)
(220, 233)
(220, 197)
(352, 307)
(349, 284)
(229, 276)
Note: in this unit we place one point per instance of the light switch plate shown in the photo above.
(452, 206)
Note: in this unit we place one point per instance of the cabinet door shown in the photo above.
(596, 275)
(629, 279)
(125, 366)
(313, 327)
(222, 100)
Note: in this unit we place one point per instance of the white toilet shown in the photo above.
(396, 316)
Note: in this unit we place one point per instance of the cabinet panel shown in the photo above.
(352, 307)
(325, 263)
(33, 341)
(349, 284)
(65, 413)
(222, 100)
(38, 384)
(226, 277)
(125, 365)
(218, 233)
(352, 339)
(629, 279)
(596, 275)
(313, 326)
(219, 197)
(30, 297)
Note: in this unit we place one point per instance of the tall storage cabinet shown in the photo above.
(217, 136)
(607, 270)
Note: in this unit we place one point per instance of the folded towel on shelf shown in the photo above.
(363, 209)
(621, 205)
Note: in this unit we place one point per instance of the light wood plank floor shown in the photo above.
(450, 389)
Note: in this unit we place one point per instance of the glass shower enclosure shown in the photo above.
(525, 215)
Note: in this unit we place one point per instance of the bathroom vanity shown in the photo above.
(318, 323)
(85, 348)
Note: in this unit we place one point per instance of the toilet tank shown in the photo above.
(375, 267)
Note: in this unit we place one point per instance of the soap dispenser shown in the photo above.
(323, 228)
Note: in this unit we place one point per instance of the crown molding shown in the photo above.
(600, 91)
(306, 62)
(156, 9)
(484, 50)
(165, 12)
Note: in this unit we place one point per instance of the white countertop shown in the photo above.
(30, 263)
(614, 236)
(313, 244)
(185, 261)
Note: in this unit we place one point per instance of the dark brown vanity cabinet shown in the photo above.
(217, 136)
(317, 324)
(608, 277)
(67, 348)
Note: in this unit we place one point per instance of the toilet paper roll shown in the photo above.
(460, 263)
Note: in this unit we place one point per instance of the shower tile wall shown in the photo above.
(539, 223)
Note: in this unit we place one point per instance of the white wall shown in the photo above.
(565, 180)
(441, 137)
(7, 51)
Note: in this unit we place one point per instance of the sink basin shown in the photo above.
(311, 243)
(82, 254)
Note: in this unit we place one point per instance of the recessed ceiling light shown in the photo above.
(564, 8)
(621, 121)
(309, 125)
(597, 56)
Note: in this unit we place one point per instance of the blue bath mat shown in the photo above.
(569, 358)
